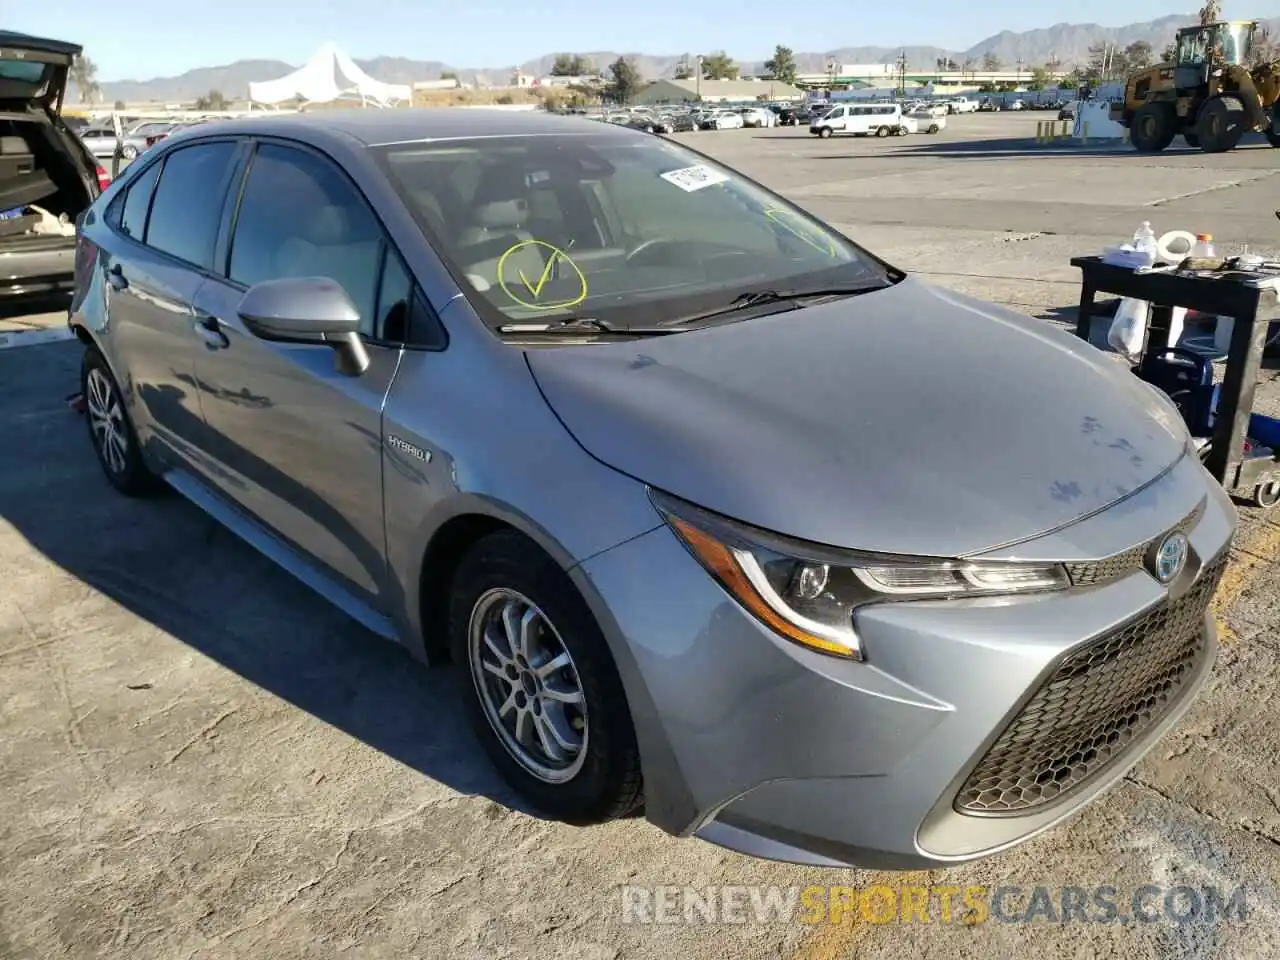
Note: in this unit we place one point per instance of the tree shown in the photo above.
(1137, 55)
(213, 100)
(1170, 54)
(991, 63)
(84, 74)
(1039, 79)
(1211, 11)
(782, 65)
(719, 66)
(571, 65)
(969, 65)
(119, 105)
(1105, 62)
(625, 79)
(683, 70)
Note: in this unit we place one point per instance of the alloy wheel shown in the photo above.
(106, 420)
(528, 685)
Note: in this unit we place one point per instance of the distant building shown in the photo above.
(716, 91)
(852, 75)
(444, 83)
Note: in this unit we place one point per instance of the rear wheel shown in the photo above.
(1220, 124)
(1152, 128)
(933, 128)
(111, 432)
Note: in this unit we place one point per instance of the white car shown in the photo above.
(723, 120)
(927, 121)
(1017, 105)
(757, 117)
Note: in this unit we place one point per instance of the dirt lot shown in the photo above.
(200, 759)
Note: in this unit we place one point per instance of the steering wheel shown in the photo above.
(645, 246)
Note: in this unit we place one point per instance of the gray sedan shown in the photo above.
(710, 508)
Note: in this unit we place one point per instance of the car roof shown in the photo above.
(373, 127)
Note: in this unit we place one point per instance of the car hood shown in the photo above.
(910, 420)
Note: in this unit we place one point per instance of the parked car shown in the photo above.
(42, 163)
(722, 120)
(891, 660)
(786, 116)
(1067, 112)
(680, 123)
(1017, 105)
(877, 119)
(757, 117)
(962, 105)
(100, 139)
(990, 105)
(927, 121)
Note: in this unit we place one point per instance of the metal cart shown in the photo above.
(1252, 307)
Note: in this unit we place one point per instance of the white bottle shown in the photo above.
(1144, 241)
(1203, 250)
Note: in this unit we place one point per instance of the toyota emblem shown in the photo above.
(1170, 558)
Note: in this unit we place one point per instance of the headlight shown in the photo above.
(809, 593)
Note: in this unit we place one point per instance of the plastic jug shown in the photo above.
(1144, 240)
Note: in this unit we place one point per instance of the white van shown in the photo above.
(881, 119)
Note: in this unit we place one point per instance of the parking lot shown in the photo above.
(201, 759)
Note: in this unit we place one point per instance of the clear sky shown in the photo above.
(142, 39)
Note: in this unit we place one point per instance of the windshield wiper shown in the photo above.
(787, 299)
(581, 326)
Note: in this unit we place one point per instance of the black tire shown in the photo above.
(1267, 493)
(124, 468)
(1220, 124)
(933, 128)
(882, 131)
(608, 783)
(1152, 129)
(1192, 138)
(824, 132)
(1270, 131)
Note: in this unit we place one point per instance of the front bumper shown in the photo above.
(765, 747)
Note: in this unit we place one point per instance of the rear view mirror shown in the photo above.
(307, 310)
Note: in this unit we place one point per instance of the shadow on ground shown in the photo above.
(166, 563)
(12, 308)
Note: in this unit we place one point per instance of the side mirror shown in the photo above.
(307, 310)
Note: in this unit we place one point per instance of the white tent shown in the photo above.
(328, 76)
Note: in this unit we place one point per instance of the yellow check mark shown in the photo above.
(536, 288)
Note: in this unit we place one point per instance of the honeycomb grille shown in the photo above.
(1093, 572)
(1099, 700)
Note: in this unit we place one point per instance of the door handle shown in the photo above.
(209, 330)
(116, 277)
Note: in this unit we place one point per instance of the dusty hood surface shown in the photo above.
(910, 420)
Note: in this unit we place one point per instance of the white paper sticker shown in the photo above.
(695, 178)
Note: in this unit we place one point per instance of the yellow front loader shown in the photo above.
(1209, 95)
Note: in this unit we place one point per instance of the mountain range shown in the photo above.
(1067, 42)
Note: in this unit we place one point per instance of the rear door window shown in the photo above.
(133, 218)
(187, 206)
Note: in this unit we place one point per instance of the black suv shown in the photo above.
(47, 177)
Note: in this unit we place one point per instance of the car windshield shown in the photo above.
(622, 229)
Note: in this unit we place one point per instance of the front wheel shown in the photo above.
(1152, 128)
(540, 684)
(824, 132)
(1220, 124)
(129, 151)
(933, 128)
(1267, 493)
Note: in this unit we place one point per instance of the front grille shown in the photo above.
(1099, 700)
(1090, 573)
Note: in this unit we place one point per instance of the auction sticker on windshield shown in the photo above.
(695, 178)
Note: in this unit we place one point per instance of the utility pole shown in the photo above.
(698, 80)
(902, 74)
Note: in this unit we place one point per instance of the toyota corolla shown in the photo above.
(712, 510)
